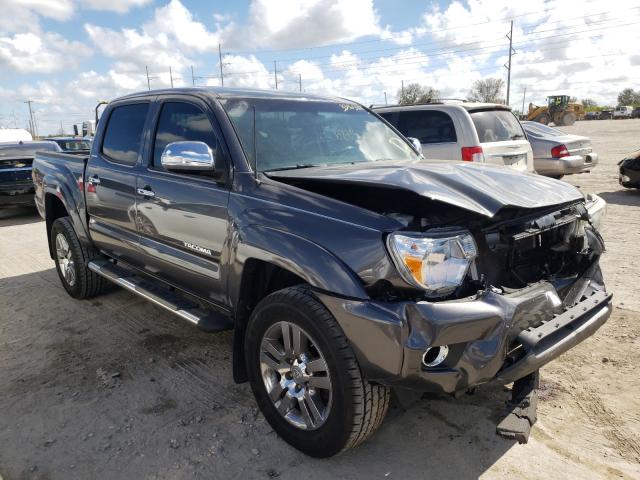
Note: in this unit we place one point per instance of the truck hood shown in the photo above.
(484, 189)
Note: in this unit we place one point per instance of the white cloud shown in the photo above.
(41, 53)
(300, 23)
(119, 6)
(169, 40)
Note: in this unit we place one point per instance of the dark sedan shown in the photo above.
(77, 145)
(16, 185)
(630, 170)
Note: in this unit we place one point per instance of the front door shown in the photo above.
(110, 182)
(182, 217)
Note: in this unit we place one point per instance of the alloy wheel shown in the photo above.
(295, 375)
(65, 260)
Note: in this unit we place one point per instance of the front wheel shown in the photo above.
(305, 377)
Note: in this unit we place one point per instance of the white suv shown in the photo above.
(473, 132)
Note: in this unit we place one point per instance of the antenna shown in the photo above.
(255, 146)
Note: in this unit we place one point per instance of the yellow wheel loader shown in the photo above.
(558, 110)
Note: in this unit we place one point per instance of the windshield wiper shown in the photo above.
(295, 167)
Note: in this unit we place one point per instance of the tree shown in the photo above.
(588, 103)
(415, 93)
(629, 96)
(488, 90)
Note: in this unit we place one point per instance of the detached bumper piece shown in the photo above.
(537, 346)
(521, 409)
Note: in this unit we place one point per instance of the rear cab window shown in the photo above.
(496, 126)
(428, 126)
(123, 134)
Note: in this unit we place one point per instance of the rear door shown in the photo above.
(502, 139)
(110, 181)
(182, 218)
(435, 130)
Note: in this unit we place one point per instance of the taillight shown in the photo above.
(472, 154)
(559, 151)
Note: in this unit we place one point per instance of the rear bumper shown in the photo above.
(390, 338)
(16, 194)
(566, 165)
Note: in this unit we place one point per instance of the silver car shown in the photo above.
(556, 153)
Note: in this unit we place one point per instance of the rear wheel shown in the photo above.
(305, 377)
(71, 258)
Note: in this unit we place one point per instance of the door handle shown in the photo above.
(94, 180)
(146, 192)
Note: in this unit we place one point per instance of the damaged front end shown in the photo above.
(532, 290)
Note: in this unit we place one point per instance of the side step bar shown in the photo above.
(206, 320)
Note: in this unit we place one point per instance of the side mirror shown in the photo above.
(416, 144)
(188, 156)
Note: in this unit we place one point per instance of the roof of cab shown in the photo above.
(469, 106)
(224, 92)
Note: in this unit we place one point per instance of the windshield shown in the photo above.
(296, 134)
(26, 149)
(497, 126)
(75, 144)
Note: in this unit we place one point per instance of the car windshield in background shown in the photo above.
(496, 126)
(75, 144)
(296, 134)
(26, 149)
(540, 130)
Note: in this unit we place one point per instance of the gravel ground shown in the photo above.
(116, 388)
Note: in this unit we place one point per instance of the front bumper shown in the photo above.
(389, 338)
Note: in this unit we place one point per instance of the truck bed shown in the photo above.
(61, 175)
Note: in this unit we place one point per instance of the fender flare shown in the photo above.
(310, 261)
(68, 199)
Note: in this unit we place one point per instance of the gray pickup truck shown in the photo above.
(347, 265)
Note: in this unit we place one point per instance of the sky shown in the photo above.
(67, 55)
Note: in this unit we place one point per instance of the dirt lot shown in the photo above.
(116, 388)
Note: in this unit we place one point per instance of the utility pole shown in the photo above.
(148, 81)
(508, 66)
(220, 57)
(171, 77)
(61, 128)
(275, 72)
(193, 79)
(300, 81)
(523, 97)
(32, 122)
(385, 98)
(402, 88)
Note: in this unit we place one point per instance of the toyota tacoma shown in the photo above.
(347, 264)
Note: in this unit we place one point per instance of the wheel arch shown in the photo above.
(285, 260)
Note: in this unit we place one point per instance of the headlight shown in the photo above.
(436, 263)
(596, 207)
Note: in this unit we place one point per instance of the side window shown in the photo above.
(391, 117)
(428, 126)
(123, 135)
(181, 122)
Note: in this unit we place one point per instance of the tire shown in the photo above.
(568, 118)
(543, 119)
(71, 258)
(353, 407)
